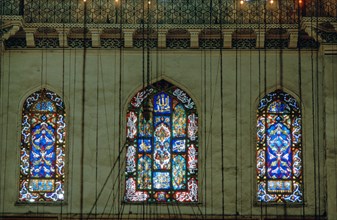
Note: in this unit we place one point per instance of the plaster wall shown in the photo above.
(247, 75)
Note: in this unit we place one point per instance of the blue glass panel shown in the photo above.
(161, 196)
(45, 106)
(41, 185)
(144, 146)
(42, 155)
(161, 180)
(279, 156)
(179, 172)
(280, 186)
(278, 107)
(162, 103)
(179, 146)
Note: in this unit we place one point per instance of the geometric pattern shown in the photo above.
(161, 146)
(42, 154)
(279, 149)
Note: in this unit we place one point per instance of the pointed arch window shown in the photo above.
(162, 146)
(42, 155)
(279, 149)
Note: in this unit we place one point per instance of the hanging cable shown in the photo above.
(299, 17)
(2, 71)
(120, 208)
(83, 110)
(204, 109)
(144, 84)
(265, 85)
(236, 117)
(63, 75)
(313, 120)
(222, 119)
(317, 82)
(334, 110)
(97, 127)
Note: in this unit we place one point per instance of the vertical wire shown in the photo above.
(2, 70)
(120, 111)
(211, 117)
(260, 96)
(281, 46)
(118, 5)
(318, 121)
(204, 113)
(63, 74)
(301, 100)
(157, 70)
(265, 81)
(222, 118)
(83, 112)
(313, 122)
(148, 63)
(265, 90)
(143, 85)
(318, 117)
(236, 120)
(334, 111)
(281, 77)
(73, 120)
(97, 126)
(251, 161)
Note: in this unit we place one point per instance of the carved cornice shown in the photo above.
(319, 30)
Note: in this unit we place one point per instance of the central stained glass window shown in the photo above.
(162, 146)
(279, 149)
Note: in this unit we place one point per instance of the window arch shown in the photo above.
(42, 155)
(162, 146)
(279, 149)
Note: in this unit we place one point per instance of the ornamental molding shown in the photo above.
(242, 36)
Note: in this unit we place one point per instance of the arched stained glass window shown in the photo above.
(279, 149)
(162, 146)
(42, 152)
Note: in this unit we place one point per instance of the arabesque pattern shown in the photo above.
(279, 149)
(42, 148)
(162, 122)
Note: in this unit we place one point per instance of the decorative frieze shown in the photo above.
(177, 38)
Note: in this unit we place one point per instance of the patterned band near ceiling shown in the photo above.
(167, 12)
(279, 149)
(42, 148)
(162, 143)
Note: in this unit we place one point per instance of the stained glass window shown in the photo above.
(42, 152)
(162, 146)
(279, 149)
